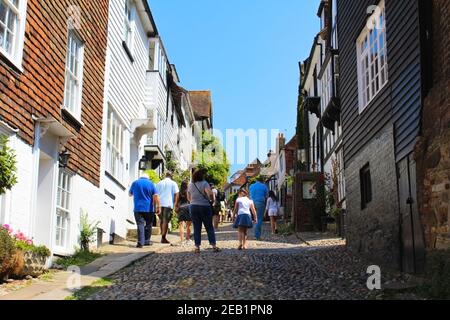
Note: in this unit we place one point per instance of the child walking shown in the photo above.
(273, 209)
(245, 216)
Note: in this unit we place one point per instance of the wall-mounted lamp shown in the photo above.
(143, 163)
(64, 158)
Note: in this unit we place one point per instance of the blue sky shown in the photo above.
(245, 51)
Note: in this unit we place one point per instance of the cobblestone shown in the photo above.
(277, 268)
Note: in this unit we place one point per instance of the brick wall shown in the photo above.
(432, 151)
(374, 231)
(39, 90)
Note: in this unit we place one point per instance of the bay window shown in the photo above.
(114, 146)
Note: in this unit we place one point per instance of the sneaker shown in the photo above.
(165, 241)
(139, 246)
(148, 244)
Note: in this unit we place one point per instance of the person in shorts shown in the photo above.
(273, 210)
(168, 196)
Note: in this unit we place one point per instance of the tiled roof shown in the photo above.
(201, 103)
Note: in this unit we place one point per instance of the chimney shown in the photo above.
(281, 142)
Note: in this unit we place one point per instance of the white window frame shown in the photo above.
(341, 175)
(326, 83)
(63, 210)
(371, 70)
(16, 54)
(128, 25)
(73, 99)
(115, 133)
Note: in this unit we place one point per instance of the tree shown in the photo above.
(213, 159)
(8, 166)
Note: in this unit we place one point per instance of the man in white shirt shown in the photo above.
(168, 197)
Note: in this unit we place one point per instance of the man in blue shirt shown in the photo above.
(146, 204)
(259, 194)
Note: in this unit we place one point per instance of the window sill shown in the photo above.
(117, 182)
(128, 51)
(71, 119)
(11, 63)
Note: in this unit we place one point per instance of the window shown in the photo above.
(152, 65)
(114, 146)
(128, 25)
(334, 40)
(366, 186)
(63, 203)
(341, 176)
(163, 66)
(12, 29)
(313, 151)
(74, 75)
(327, 84)
(372, 58)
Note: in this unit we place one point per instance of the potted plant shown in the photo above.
(25, 259)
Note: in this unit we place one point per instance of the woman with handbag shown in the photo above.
(200, 197)
(245, 216)
(273, 210)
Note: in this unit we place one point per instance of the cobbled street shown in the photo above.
(276, 268)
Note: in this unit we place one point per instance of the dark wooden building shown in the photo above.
(382, 76)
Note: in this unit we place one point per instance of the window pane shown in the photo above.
(11, 23)
(3, 10)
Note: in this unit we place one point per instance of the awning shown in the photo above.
(53, 126)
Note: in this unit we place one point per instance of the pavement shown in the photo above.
(117, 257)
(310, 266)
(306, 266)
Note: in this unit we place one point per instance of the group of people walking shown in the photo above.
(199, 204)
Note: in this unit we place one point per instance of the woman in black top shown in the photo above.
(184, 215)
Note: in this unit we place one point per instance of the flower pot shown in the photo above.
(32, 264)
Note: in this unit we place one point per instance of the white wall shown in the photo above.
(16, 204)
(125, 91)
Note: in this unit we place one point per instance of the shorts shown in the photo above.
(273, 213)
(166, 215)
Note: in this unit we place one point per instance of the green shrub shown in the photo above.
(8, 166)
(174, 222)
(80, 258)
(438, 272)
(154, 177)
(286, 229)
(87, 231)
(6, 252)
(42, 251)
